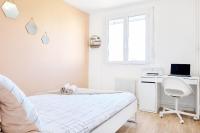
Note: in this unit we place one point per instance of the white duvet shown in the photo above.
(78, 113)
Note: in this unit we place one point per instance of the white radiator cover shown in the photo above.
(123, 84)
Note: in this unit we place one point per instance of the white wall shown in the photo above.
(197, 33)
(174, 41)
(102, 75)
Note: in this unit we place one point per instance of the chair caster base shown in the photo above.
(196, 118)
(181, 122)
(131, 121)
(161, 114)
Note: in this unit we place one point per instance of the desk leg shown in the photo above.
(197, 103)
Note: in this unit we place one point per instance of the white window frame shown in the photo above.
(149, 48)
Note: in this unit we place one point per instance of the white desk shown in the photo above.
(149, 93)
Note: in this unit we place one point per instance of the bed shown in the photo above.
(98, 113)
(87, 111)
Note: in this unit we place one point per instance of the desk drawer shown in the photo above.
(147, 96)
(190, 81)
(148, 80)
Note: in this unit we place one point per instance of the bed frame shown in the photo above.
(117, 121)
(112, 125)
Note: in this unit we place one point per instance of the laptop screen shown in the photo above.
(180, 69)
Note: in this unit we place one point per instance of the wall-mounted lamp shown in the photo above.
(95, 41)
(10, 10)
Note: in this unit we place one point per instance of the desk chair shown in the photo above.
(177, 88)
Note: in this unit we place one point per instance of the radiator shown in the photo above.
(122, 84)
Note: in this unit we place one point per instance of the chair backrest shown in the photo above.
(176, 87)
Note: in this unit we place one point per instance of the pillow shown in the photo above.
(18, 114)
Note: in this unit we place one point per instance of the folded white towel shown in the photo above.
(69, 89)
(67, 85)
(73, 88)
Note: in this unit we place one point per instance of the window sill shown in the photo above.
(126, 62)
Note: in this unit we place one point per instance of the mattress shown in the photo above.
(78, 113)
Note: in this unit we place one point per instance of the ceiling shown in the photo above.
(91, 5)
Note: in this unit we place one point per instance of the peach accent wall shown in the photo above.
(35, 67)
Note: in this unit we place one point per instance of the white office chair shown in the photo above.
(176, 88)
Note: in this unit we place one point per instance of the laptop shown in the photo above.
(182, 70)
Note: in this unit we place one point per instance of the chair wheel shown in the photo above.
(181, 122)
(161, 114)
(195, 118)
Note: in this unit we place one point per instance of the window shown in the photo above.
(116, 39)
(128, 38)
(137, 38)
